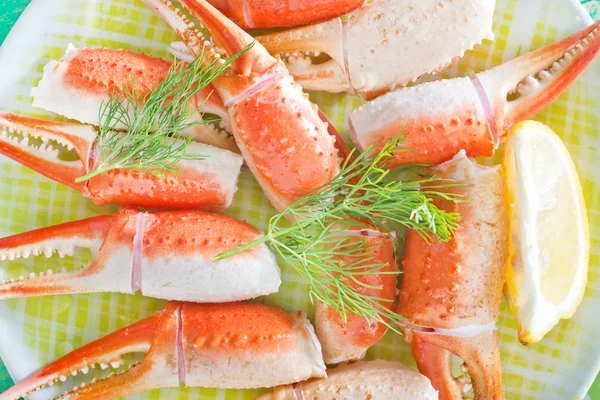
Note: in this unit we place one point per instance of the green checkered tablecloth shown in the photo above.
(10, 10)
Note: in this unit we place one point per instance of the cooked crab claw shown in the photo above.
(227, 346)
(278, 130)
(377, 379)
(77, 85)
(437, 119)
(383, 45)
(349, 340)
(455, 288)
(166, 254)
(44, 147)
(250, 14)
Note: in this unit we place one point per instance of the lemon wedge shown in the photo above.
(549, 240)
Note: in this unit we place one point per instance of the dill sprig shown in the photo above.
(364, 195)
(152, 141)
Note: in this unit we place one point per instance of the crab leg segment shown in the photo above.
(377, 379)
(77, 85)
(458, 284)
(278, 130)
(383, 45)
(210, 182)
(345, 341)
(231, 345)
(250, 14)
(438, 119)
(165, 254)
(264, 346)
(37, 144)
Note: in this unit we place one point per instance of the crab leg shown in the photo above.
(458, 284)
(210, 182)
(77, 86)
(165, 254)
(250, 14)
(345, 341)
(231, 345)
(278, 130)
(438, 119)
(383, 44)
(377, 379)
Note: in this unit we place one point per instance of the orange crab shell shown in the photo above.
(457, 285)
(285, 143)
(166, 254)
(251, 14)
(192, 344)
(78, 86)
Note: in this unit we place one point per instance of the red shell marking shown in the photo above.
(274, 13)
(235, 327)
(437, 139)
(292, 154)
(102, 71)
(184, 189)
(270, 13)
(194, 232)
(459, 283)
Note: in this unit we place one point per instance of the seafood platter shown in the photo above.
(227, 199)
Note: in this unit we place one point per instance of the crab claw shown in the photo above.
(38, 144)
(77, 85)
(481, 356)
(455, 288)
(537, 78)
(109, 272)
(250, 14)
(438, 119)
(284, 141)
(231, 38)
(165, 254)
(229, 345)
(225, 34)
(156, 336)
(41, 145)
(383, 45)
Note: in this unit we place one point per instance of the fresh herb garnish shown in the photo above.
(154, 122)
(363, 195)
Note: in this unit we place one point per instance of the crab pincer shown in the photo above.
(38, 144)
(455, 288)
(278, 130)
(226, 346)
(437, 119)
(166, 254)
